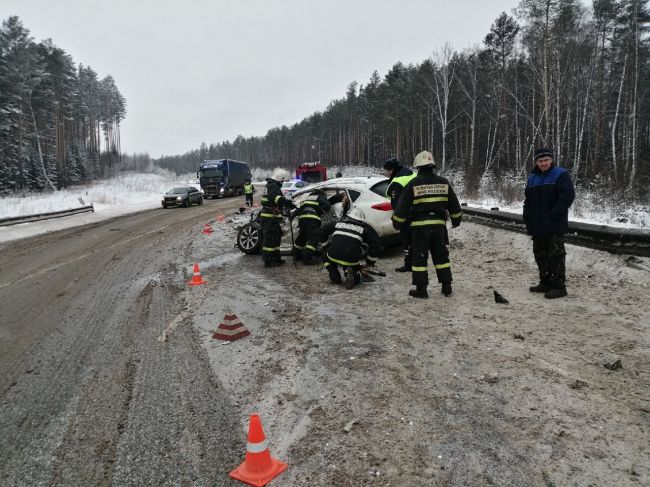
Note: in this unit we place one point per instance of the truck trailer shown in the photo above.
(223, 177)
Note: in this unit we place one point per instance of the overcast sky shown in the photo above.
(208, 70)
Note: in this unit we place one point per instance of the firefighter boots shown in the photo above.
(335, 277)
(540, 288)
(403, 268)
(349, 278)
(555, 293)
(446, 288)
(419, 292)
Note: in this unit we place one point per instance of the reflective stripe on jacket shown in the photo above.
(398, 182)
(426, 200)
(313, 206)
(272, 201)
(347, 239)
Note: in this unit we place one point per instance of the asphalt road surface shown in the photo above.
(89, 393)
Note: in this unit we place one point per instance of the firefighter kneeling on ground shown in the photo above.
(350, 238)
(425, 202)
(309, 223)
(271, 216)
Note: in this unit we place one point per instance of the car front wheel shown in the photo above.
(249, 238)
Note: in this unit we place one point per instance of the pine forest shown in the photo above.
(555, 73)
(59, 123)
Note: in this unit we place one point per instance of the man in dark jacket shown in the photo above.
(309, 222)
(426, 201)
(346, 248)
(399, 178)
(548, 196)
(271, 216)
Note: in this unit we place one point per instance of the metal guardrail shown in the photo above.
(15, 220)
(618, 240)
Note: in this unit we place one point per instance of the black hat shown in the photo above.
(543, 152)
(391, 164)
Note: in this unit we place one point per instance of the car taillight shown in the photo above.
(385, 206)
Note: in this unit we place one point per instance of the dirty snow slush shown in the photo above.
(371, 387)
(360, 387)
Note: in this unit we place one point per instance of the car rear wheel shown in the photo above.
(249, 238)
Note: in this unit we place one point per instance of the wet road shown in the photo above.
(89, 395)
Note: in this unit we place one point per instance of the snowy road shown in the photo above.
(88, 395)
(361, 387)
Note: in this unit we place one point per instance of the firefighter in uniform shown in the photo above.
(399, 178)
(248, 192)
(426, 201)
(271, 215)
(350, 238)
(309, 223)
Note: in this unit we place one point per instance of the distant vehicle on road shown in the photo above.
(311, 172)
(223, 177)
(183, 196)
(290, 187)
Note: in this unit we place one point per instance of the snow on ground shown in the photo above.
(127, 193)
(131, 192)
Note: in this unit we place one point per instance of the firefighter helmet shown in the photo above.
(280, 174)
(424, 159)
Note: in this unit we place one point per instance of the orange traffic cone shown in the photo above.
(197, 280)
(220, 217)
(207, 230)
(259, 468)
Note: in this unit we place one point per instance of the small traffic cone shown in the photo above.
(231, 329)
(220, 217)
(207, 230)
(259, 468)
(197, 280)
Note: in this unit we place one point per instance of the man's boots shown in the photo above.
(556, 292)
(404, 268)
(542, 287)
(446, 288)
(419, 292)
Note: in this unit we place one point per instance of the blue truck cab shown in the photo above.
(223, 177)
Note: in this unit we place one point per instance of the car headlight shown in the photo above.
(179, 198)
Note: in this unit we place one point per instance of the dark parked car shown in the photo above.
(185, 196)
